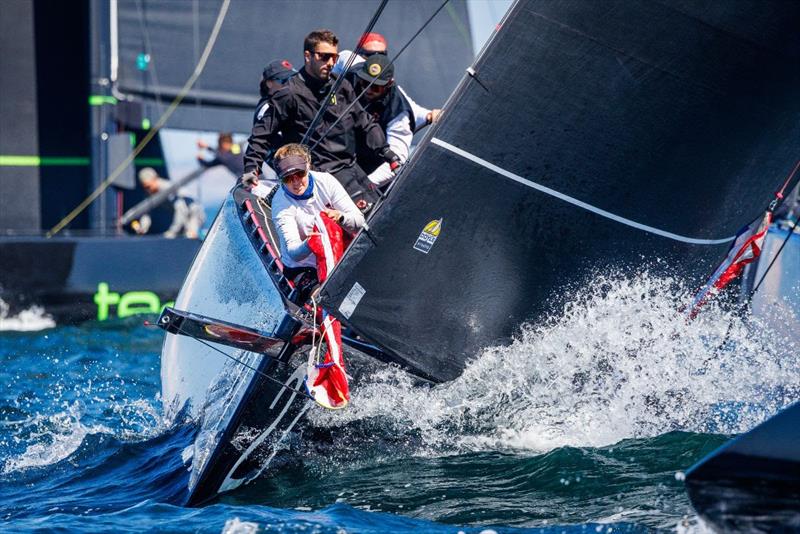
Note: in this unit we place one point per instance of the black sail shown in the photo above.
(590, 137)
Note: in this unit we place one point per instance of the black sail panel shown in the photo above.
(593, 136)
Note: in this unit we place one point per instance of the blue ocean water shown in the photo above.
(582, 425)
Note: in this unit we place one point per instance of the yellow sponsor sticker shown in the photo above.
(428, 236)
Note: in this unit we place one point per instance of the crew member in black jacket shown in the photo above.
(292, 110)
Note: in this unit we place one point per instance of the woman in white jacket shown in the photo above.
(302, 196)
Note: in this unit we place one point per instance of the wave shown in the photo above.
(619, 362)
(50, 439)
(31, 319)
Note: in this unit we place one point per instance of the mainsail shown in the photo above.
(589, 137)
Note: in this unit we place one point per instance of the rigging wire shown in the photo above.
(363, 92)
(746, 302)
(148, 48)
(198, 70)
(340, 79)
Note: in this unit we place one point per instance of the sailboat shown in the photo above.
(110, 70)
(586, 138)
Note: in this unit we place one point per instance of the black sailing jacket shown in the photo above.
(384, 110)
(292, 109)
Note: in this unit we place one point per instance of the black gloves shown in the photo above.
(249, 179)
(390, 156)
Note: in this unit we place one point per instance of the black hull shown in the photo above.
(263, 420)
(752, 484)
(77, 279)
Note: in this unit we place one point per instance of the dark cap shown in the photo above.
(290, 165)
(377, 68)
(280, 69)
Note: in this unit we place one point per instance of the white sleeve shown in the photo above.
(420, 113)
(344, 56)
(287, 225)
(262, 111)
(353, 218)
(399, 136)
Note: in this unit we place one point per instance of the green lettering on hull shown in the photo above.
(127, 304)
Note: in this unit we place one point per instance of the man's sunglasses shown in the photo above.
(327, 56)
(281, 81)
(375, 88)
(366, 54)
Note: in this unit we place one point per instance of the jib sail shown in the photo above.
(588, 137)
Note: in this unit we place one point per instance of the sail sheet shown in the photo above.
(591, 138)
(161, 41)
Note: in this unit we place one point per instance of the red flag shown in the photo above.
(745, 249)
(327, 381)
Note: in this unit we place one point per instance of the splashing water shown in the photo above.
(57, 397)
(50, 439)
(34, 318)
(620, 363)
(81, 431)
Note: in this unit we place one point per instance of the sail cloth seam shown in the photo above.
(575, 202)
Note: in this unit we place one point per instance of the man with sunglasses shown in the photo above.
(374, 43)
(273, 77)
(302, 196)
(293, 108)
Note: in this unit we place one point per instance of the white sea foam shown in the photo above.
(621, 363)
(53, 438)
(237, 526)
(34, 318)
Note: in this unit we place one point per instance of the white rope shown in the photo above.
(575, 202)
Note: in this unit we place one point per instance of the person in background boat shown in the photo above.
(188, 216)
(375, 43)
(227, 153)
(390, 108)
(293, 108)
(302, 196)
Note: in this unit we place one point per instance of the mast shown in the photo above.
(102, 212)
